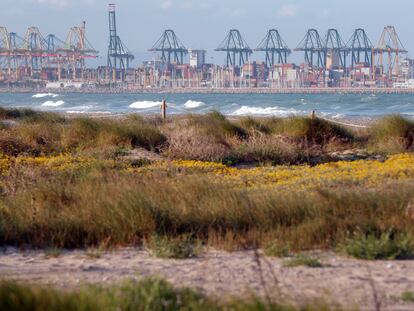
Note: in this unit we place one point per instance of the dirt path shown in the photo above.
(222, 274)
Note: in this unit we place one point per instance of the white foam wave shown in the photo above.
(51, 103)
(75, 111)
(42, 95)
(338, 116)
(145, 104)
(275, 111)
(88, 112)
(191, 104)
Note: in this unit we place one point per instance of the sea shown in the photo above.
(280, 105)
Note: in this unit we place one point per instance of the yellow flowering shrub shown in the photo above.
(297, 177)
(5, 163)
(61, 162)
(363, 172)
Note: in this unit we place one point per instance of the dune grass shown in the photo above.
(392, 134)
(212, 137)
(175, 248)
(303, 260)
(80, 206)
(386, 245)
(29, 115)
(50, 135)
(407, 296)
(146, 295)
(64, 183)
(208, 137)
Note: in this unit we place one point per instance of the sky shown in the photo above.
(204, 23)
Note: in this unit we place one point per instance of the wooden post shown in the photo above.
(313, 115)
(164, 109)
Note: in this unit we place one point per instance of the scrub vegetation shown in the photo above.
(175, 187)
(148, 294)
(69, 183)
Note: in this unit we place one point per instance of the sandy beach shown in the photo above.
(343, 280)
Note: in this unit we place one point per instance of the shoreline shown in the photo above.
(216, 91)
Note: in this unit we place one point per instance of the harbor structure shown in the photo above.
(328, 61)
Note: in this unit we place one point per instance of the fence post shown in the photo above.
(164, 109)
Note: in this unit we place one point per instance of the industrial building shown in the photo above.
(328, 61)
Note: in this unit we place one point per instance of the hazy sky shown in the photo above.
(204, 23)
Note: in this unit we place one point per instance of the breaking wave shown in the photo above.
(75, 111)
(88, 112)
(191, 104)
(43, 95)
(145, 104)
(271, 111)
(51, 103)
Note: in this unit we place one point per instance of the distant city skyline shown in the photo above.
(204, 24)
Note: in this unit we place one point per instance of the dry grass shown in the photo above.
(49, 135)
(145, 295)
(385, 245)
(392, 134)
(209, 137)
(101, 205)
(212, 137)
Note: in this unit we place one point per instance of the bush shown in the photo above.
(316, 131)
(303, 260)
(177, 248)
(252, 124)
(146, 295)
(13, 146)
(277, 248)
(91, 207)
(385, 246)
(217, 125)
(392, 134)
(158, 295)
(29, 115)
(42, 137)
(407, 296)
(266, 149)
(14, 297)
(188, 142)
(212, 137)
(90, 133)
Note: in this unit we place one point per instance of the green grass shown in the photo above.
(93, 253)
(173, 248)
(212, 137)
(392, 134)
(217, 125)
(29, 115)
(209, 137)
(276, 248)
(53, 252)
(88, 208)
(313, 131)
(101, 206)
(407, 296)
(303, 260)
(87, 133)
(43, 133)
(385, 246)
(14, 297)
(255, 124)
(145, 295)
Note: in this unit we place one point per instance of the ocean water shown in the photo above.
(328, 105)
